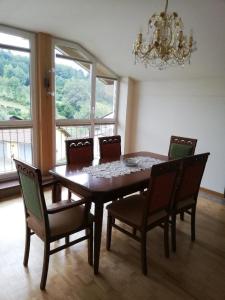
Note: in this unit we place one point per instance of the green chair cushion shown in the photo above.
(179, 150)
(31, 196)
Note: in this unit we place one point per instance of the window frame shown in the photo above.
(20, 124)
(93, 121)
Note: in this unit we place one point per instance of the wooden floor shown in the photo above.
(196, 271)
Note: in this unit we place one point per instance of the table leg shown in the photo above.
(56, 192)
(97, 235)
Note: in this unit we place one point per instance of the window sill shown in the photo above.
(11, 187)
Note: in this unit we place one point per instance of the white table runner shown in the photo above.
(119, 168)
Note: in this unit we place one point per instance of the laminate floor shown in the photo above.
(196, 271)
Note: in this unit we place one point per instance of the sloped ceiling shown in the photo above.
(107, 28)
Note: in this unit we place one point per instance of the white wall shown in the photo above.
(193, 108)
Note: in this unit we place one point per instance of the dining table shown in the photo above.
(101, 190)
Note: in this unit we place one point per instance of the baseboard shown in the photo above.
(9, 192)
(212, 192)
(11, 188)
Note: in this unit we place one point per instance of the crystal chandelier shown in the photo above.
(168, 45)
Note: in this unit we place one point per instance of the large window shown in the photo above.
(16, 110)
(105, 98)
(73, 89)
(85, 97)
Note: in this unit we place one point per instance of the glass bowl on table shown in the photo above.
(131, 162)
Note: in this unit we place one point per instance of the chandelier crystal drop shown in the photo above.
(168, 45)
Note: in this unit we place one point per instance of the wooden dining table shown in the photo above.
(102, 190)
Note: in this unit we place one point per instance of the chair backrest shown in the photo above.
(79, 150)
(181, 147)
(30, 182)
(191, 175)
(162, 185)
(110, 147)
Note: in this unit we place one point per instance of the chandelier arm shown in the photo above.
(144, 52)
(166, 7)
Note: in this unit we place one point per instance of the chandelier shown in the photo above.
(168, 45)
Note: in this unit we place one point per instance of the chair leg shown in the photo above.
(143, 253)
(109, 231)
(56, 193)
(27, 246)
(173, 232)
(193, 211)
(114, 200)
(182, 216)
(166, 238)
(67, 240)
(69, 195)
(90, 246)
(45, 265)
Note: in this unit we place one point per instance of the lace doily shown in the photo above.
(119, 168)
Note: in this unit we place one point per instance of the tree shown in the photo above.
(73, 94)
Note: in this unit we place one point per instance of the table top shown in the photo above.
(73, 175)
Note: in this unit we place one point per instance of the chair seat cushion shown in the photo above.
(184, 203)
(69, 220)
(130, 211)
(63, 222)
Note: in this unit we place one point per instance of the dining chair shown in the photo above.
(185, 200)
(110, 147)
(146, 211)
(53, 222)
(181, 147)
(79, 151)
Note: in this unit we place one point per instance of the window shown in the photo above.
(73, 89)
(64, 132)
(105, 98)
(16, 109)
(85, 97)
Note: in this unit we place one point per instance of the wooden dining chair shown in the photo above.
(54, 222)
(187, 191)
(110, 147)
(145, 212)
(79, 151)
(181, 147)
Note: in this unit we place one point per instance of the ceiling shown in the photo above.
(108, 28)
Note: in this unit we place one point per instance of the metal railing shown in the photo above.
(14, 143)
(17, 143)
(78, 132)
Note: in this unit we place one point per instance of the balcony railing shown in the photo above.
(17, 143)
(14, 143)
(78, 132)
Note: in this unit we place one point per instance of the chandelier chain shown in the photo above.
(166, 7)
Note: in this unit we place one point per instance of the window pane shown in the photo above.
(12, 40)
(14, 143)
(105, 98)
(102, 130)
(70, 52)
(73, 89)
(15, 100)
(64, 132)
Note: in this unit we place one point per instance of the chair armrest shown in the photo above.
(65, 204)
(49, 182)
(56, 188)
